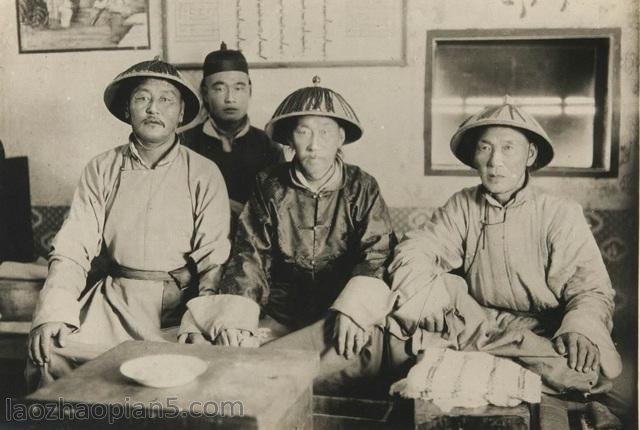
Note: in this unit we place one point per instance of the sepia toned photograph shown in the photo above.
(77, 25)
(319, 214)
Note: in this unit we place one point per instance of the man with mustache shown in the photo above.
(157, 212)
(227, 137)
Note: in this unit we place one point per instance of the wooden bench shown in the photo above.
(551, 414)
(330, 413)
(394, 413)
(428, 416)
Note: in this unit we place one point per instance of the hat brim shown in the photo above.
(463, 142)
(278, 129)
(118, 92)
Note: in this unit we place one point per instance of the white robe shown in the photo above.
(153, 219)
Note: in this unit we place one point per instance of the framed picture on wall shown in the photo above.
(567, 79)
(287, 33)
(82, 25)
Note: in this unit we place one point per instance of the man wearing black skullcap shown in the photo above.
(227, 137)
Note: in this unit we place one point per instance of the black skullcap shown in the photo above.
(224, 60)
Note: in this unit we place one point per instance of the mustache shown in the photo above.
(154, 120)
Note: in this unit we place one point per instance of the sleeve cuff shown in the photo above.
(366, 300)
(188, 324)
(212, 314)
(57, 305)
(579, 321)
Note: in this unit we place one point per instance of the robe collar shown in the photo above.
(333, 180)
(168, 158)
(210, 128)
(521, 196)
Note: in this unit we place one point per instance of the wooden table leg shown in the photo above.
(553, 414)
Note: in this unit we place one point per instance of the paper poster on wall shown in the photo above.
(280, 33)
(82, 25)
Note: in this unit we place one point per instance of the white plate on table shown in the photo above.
(163, 370)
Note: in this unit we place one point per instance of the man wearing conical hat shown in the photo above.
(311, 226)
(533, 285)
(157, 212)
(227, 136)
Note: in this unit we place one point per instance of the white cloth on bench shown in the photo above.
(468, 379)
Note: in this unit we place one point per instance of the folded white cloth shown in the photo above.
(468, 379)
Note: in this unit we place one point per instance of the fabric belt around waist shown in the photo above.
(183, 276)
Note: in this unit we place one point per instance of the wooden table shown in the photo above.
(274, 388)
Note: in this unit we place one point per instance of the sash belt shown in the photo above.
(183, 276)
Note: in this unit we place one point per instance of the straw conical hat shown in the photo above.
(317, 101)
(117, 93)
(508, 115)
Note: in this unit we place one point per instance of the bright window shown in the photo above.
(565, 79)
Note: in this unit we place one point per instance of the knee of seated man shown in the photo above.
(557, 375)
(455, 285)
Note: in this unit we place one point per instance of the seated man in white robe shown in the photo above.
(533, 286)
(156, 210)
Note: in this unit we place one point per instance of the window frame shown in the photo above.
(608, 129)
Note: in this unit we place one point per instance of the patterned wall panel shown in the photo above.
(46, 221)
(616, 234)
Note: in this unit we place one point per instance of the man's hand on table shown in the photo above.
(234, 337)
(40, 340)
(348, 336)
(226, 337)
(582, 354)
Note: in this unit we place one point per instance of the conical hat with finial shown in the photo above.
(318, 101)
(117, 93)
(463, 142)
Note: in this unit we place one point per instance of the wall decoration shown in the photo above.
(82, 25)
(281, 33)
(532, 3)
